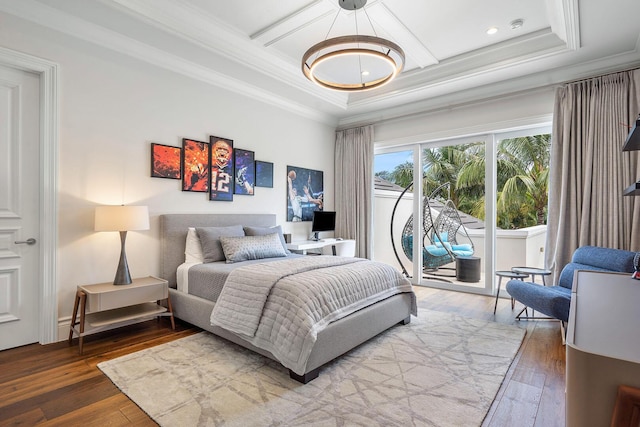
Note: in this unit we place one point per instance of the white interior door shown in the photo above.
(20, 170)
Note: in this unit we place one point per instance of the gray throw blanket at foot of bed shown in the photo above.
(281, 306)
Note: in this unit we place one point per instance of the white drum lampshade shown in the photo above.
(122, 219)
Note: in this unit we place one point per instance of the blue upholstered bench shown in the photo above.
(555, 300)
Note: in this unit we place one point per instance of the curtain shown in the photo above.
(589, 171)
(354, 187)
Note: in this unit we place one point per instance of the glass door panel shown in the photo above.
(454, 211)
(521, 199)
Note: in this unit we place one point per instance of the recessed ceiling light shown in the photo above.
(365, 73)
(516, 23)
(492, 30)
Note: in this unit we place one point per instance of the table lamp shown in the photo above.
(122, 219)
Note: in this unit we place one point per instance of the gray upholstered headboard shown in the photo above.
(173, 234)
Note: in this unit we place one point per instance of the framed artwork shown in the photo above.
(195, 166)
(245, 172)
(222, 169)
(264, 174)
(305, 193)
(165, 161)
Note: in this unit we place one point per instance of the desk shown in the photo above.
(603, 345)
(336, 245)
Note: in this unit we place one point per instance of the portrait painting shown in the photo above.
(222, 169)
(165, 161)
(264, 174)
(195, 166)
(305, 193)
(245, 172)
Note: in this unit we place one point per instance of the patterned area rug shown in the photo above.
(440, 370)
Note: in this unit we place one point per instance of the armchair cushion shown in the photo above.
(552, 301)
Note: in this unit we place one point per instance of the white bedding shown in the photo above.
(182, 276)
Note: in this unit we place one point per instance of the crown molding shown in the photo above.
(487, 67)
(564, 17)
(453, 97)
(390, 24)
(65, 23)
(183, 20)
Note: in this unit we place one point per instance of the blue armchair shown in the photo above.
(555, 300)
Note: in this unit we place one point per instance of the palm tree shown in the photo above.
(528, 185)
(402, 174)
(522, 178)
(522, 181)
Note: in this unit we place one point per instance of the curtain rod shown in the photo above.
(584, 79)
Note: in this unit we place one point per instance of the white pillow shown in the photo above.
(193, 248)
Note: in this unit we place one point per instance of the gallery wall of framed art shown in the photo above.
(222, 171)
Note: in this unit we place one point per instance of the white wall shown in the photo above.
(502, 114)
(111, 108)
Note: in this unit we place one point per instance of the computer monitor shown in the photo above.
(322, 221)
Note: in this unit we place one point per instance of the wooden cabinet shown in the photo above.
(603, 345)
(104, 306)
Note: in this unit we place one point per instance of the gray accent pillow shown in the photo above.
(261, 231)
(210, 240)
(252, 247)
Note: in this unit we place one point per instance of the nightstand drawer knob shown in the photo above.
(29, 241)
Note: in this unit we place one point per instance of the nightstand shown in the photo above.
(105, 306)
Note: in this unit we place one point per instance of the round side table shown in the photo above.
(509, 275)
(533, 272)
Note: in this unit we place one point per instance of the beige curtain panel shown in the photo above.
(589, 171)
(354, 187)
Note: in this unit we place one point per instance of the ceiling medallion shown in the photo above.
(355, 62)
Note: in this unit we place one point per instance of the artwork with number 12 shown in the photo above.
(222, 169)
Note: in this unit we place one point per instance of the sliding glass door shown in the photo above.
(474, 205)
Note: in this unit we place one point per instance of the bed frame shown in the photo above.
(336, 339)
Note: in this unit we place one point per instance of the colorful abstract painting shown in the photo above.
(195, 166)
(264, 174)
(165, 161)
(245, 172)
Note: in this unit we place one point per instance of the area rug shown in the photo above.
(440, 370)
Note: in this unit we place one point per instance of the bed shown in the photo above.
(333, 340)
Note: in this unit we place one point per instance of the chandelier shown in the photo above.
(353, 62)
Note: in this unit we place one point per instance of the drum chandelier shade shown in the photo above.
(354, 62)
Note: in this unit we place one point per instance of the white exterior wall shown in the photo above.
(524, 247)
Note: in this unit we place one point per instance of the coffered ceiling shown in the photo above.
(254, 47)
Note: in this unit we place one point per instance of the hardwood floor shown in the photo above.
(53, 385)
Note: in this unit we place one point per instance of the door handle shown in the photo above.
(29, 241)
